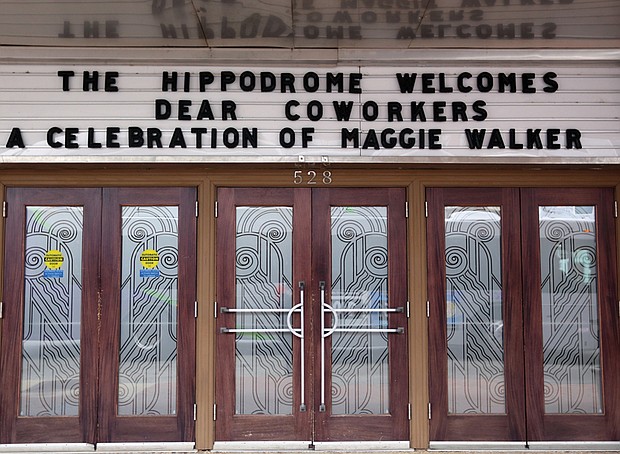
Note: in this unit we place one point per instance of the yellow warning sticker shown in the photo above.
(149, 259)
(53, 259)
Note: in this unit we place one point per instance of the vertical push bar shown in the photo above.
(323, 336)
(302, 405)
(300, 334)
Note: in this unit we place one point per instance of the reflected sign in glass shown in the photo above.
(310, 23)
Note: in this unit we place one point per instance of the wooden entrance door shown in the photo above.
(147, 336)
(48, 362)
(475, 328)
(524, 336)
(571, 323)
(311, 338)
(99, 302)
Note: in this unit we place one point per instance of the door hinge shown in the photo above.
(429, 411)
(195, 412)
(4, 209)
(615, 208)
(214, 412)
(195, 309)
(214, 309)
(409, 412)
(1, 308)
(408, 309)
(196, 208)
(407, 210)
(215, 209)
(428, 309)
(425, 209)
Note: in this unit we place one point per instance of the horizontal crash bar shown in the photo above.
(369, 330)
(389, 309)
(255, 330)
(225, 310)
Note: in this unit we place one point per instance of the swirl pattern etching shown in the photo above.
(264, 359)
(360, 373)
(476, 381)
(50, 370)
(149, 304)
(571, 350)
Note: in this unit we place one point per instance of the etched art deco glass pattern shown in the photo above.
(360, 376)
(50, 371)
(264, 356)
(572, 368)
(149, 300)
(474, 310)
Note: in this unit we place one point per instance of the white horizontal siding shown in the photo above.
(31, 99)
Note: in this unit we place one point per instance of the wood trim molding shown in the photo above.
(418, 322)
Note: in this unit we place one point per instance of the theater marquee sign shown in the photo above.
(192, 114)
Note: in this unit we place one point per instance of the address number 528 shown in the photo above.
(312, 177)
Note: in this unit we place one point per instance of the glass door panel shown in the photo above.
(474, 310)
(51, 307)
(360, 360)
(147, 382)
(50, 377)
(264, 298)
(571, 350)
